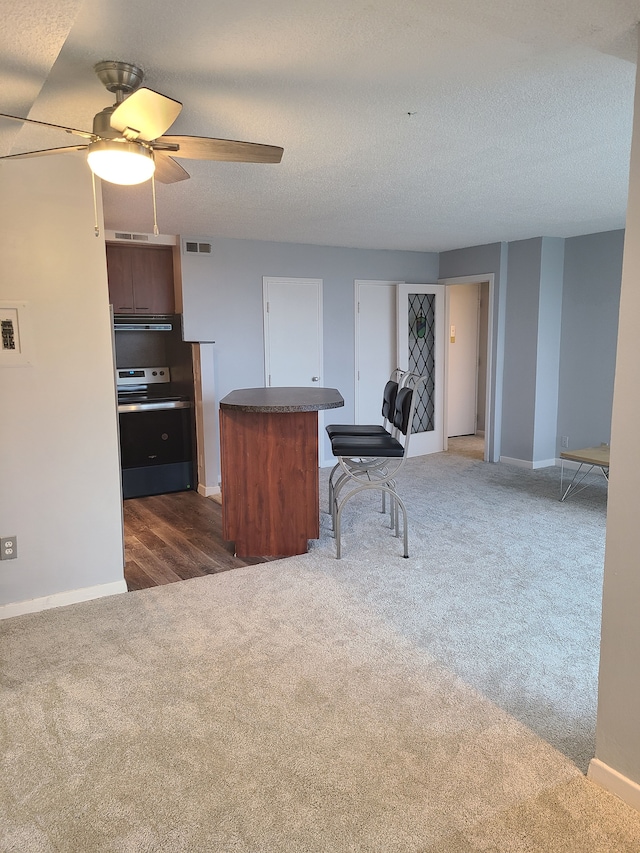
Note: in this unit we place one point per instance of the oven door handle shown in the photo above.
(153, 407)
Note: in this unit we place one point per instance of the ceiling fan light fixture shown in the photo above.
(120, 161)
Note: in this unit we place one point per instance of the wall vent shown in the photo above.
(121, 235)
(197, 248)
(150, 239)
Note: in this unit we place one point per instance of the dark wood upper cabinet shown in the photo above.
(140, 279)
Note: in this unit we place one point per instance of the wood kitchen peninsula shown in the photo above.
(269, 467)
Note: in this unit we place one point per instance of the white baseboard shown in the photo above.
(519, 463)
(544, 463)
(525, 463)
(614, 782)
(61, 599)
(208, 491)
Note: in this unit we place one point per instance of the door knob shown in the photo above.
(315, 379)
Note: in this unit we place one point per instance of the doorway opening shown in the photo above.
(469, 408)
(377, 354)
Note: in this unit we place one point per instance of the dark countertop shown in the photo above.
(282, 399)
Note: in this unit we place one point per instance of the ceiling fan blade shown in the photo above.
(203, 148)
(87, 134)
(145, 114)
(44, 152)
(167, 170)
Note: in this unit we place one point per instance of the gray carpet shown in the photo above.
(503, 587)
(441, 704)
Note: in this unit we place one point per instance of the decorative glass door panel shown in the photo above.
(421, 350)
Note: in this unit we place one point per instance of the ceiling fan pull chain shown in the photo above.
(155, 213)
(96, 227)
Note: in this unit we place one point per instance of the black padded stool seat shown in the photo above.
(382, 446)
(354, 446)
(355, 430)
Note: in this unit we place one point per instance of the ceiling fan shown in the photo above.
(127, 144)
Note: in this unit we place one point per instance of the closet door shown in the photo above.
(293, 331)
(421, 317)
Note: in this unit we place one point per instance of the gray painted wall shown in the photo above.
(553, 311)
(520, 349)
(222, 302)
(590, 304)
(548, 355)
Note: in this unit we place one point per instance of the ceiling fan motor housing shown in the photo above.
(122, 78)
(102, 124)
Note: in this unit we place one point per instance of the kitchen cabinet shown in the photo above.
(140, 279)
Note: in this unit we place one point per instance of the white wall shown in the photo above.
(207, 424)
(617, 763)
(60, 483)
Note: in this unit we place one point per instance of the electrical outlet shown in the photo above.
(564, 441)
(8, 548)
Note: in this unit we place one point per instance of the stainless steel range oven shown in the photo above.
(156, 433)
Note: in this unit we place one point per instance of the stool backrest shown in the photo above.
(403, 413)
(389, 400)
(406, 400)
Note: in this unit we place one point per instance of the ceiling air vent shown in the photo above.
(197, 248)
(121, 235)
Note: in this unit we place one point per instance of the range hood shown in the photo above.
(139, 323)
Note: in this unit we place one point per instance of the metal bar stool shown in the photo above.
(397, 378)
(371, 462)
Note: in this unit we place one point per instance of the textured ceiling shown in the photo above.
(414, 124)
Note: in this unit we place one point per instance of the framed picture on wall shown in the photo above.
(15, 335)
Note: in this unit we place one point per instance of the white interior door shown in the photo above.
(462, 365)
(421, 316)
(376, 347)
(293, 336)
(292, 331)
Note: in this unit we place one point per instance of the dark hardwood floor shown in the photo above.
(174, 537)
